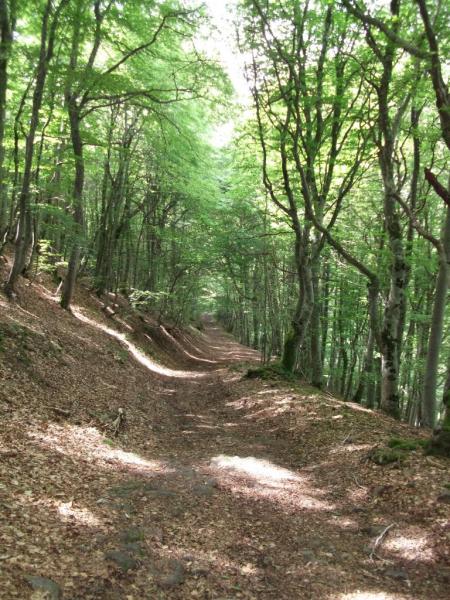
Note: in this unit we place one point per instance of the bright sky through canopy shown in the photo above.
(221, 43)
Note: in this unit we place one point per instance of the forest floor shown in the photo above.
(217, 486)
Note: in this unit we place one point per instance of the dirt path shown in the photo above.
(245, 511)
(237, 488)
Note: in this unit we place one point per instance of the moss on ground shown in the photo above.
(273, 371)
(386, 456)
(408, 445)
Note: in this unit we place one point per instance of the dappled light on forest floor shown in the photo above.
(343, 522)
(238, 487)
(188, 340)
(414, 547)
(349, 448)
(358, 494)
(141, 358)
(268, 405)
(259, 469)
(89, 445)
(66, 512)
(258, 477)
(368, 596)
(82, 515)
(333, 403)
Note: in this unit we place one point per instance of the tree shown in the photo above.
(304, 115)
(49, 26)
(7, 22)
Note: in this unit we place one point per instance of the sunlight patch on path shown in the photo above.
(82, 515)
(88, 443)
(141, 358)
(66, 511)
(367, 596)
(260, 478)
(260, 469)
(412, 547)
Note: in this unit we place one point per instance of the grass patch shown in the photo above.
(386, 456)
(109, 442)
(396, 451)
(121, 356)
(239, 366)
(408, 445)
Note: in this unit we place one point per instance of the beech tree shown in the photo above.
(303, 113)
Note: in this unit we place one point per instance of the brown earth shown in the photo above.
(216, 486)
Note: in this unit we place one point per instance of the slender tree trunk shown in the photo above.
(437, 326)
(366, 374)
(6, 39)
(45, 55)
(391, 342)
(74, 110)
(74, 260)
(315, 331)
(324, 311)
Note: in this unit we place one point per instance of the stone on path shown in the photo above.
(206, 488)
(373, 530)
(123, 560)
(168, 573)
(397, 574)
(49, 589)
(444, 497)
(132, 534)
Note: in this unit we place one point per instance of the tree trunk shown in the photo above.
(45, 55)
(77, 145)
(303, 310)
(74, 109)
(6, 39)
(315, 332)
(390, 334)
(366, 375)
(437, 326)
(440, 443)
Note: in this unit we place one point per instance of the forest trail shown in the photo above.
(219, 486)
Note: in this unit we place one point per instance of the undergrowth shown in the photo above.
(273, 371)
(408, 445)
